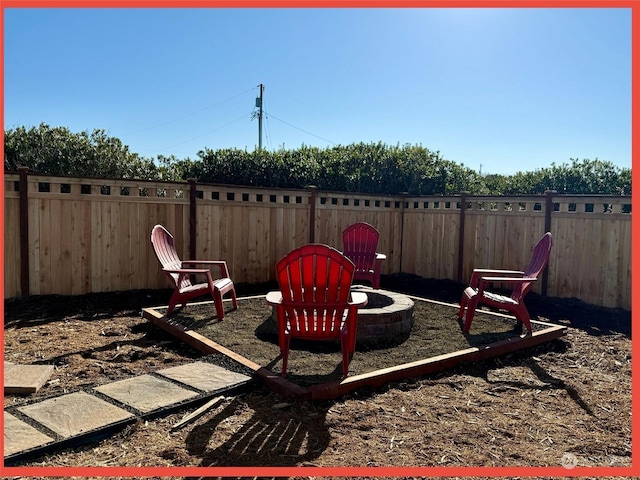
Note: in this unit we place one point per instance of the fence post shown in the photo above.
(463, 210)
(548, 210)
(192, 217)
(403, 199)
(24, 231)
(312, 213)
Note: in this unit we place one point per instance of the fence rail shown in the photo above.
(67, 235)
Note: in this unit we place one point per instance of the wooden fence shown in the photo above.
(71, 236)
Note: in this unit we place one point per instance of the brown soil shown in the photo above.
(251, 331)
(571, 396)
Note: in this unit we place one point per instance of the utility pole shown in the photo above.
(259, 105)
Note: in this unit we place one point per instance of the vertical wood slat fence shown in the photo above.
(70, 236)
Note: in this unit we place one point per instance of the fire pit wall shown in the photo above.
(387, 316)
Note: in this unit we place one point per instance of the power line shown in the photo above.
(268, 129)
(204, 134)
(298, 128)
(190, 114)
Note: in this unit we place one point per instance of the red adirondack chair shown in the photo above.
(315, 301)
(360, 242)
(476, 294)
(180, 271)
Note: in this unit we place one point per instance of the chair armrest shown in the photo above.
(484, 280)
(274, 298)
(220, 263)
(186, 271)
(481, 272)
(183, 272)
(508, 279)
(501, 272)
(204, 262)
(358, 299)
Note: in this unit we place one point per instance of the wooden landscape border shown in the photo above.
(338, 388)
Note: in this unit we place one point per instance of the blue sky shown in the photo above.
(501, 90)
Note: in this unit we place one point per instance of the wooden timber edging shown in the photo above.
(205, 345)
(377, 378)
(426, 366)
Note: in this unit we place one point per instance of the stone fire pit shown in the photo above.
(385, 320)
(387, 316)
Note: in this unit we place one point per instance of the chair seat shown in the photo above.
(496, 298)
(310, 325)
(195, 288)
(221, 284)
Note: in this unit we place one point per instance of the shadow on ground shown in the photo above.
(282, 434)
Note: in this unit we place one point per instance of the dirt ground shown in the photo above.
(566, 399)
(251, 331)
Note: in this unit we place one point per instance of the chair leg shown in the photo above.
(522, 315)
(234, 300)
(172, 302)
(471, 311)
(376, 281)
(217, 301)
(376, 273)
(284, 353)
(468, 294)
(348, 349)
(463, 304)
(283, 337)
(345, 358)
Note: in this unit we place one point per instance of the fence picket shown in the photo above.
(92, 235)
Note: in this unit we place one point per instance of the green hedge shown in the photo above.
(359, 167)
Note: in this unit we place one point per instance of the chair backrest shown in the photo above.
(165, 249)
(359, 242)
(539, 260)
(315, 282)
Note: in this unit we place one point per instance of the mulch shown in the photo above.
(569, 398)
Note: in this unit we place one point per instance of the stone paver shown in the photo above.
(75, 413)
(146, 393)
(25, 378)
(80, 412)
(20, 436)
(204, 376)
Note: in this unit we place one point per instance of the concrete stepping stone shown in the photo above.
(20, 436)
(75, 413)
(204, 376)
(20, 379)
(146, 393)
(72, 415)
